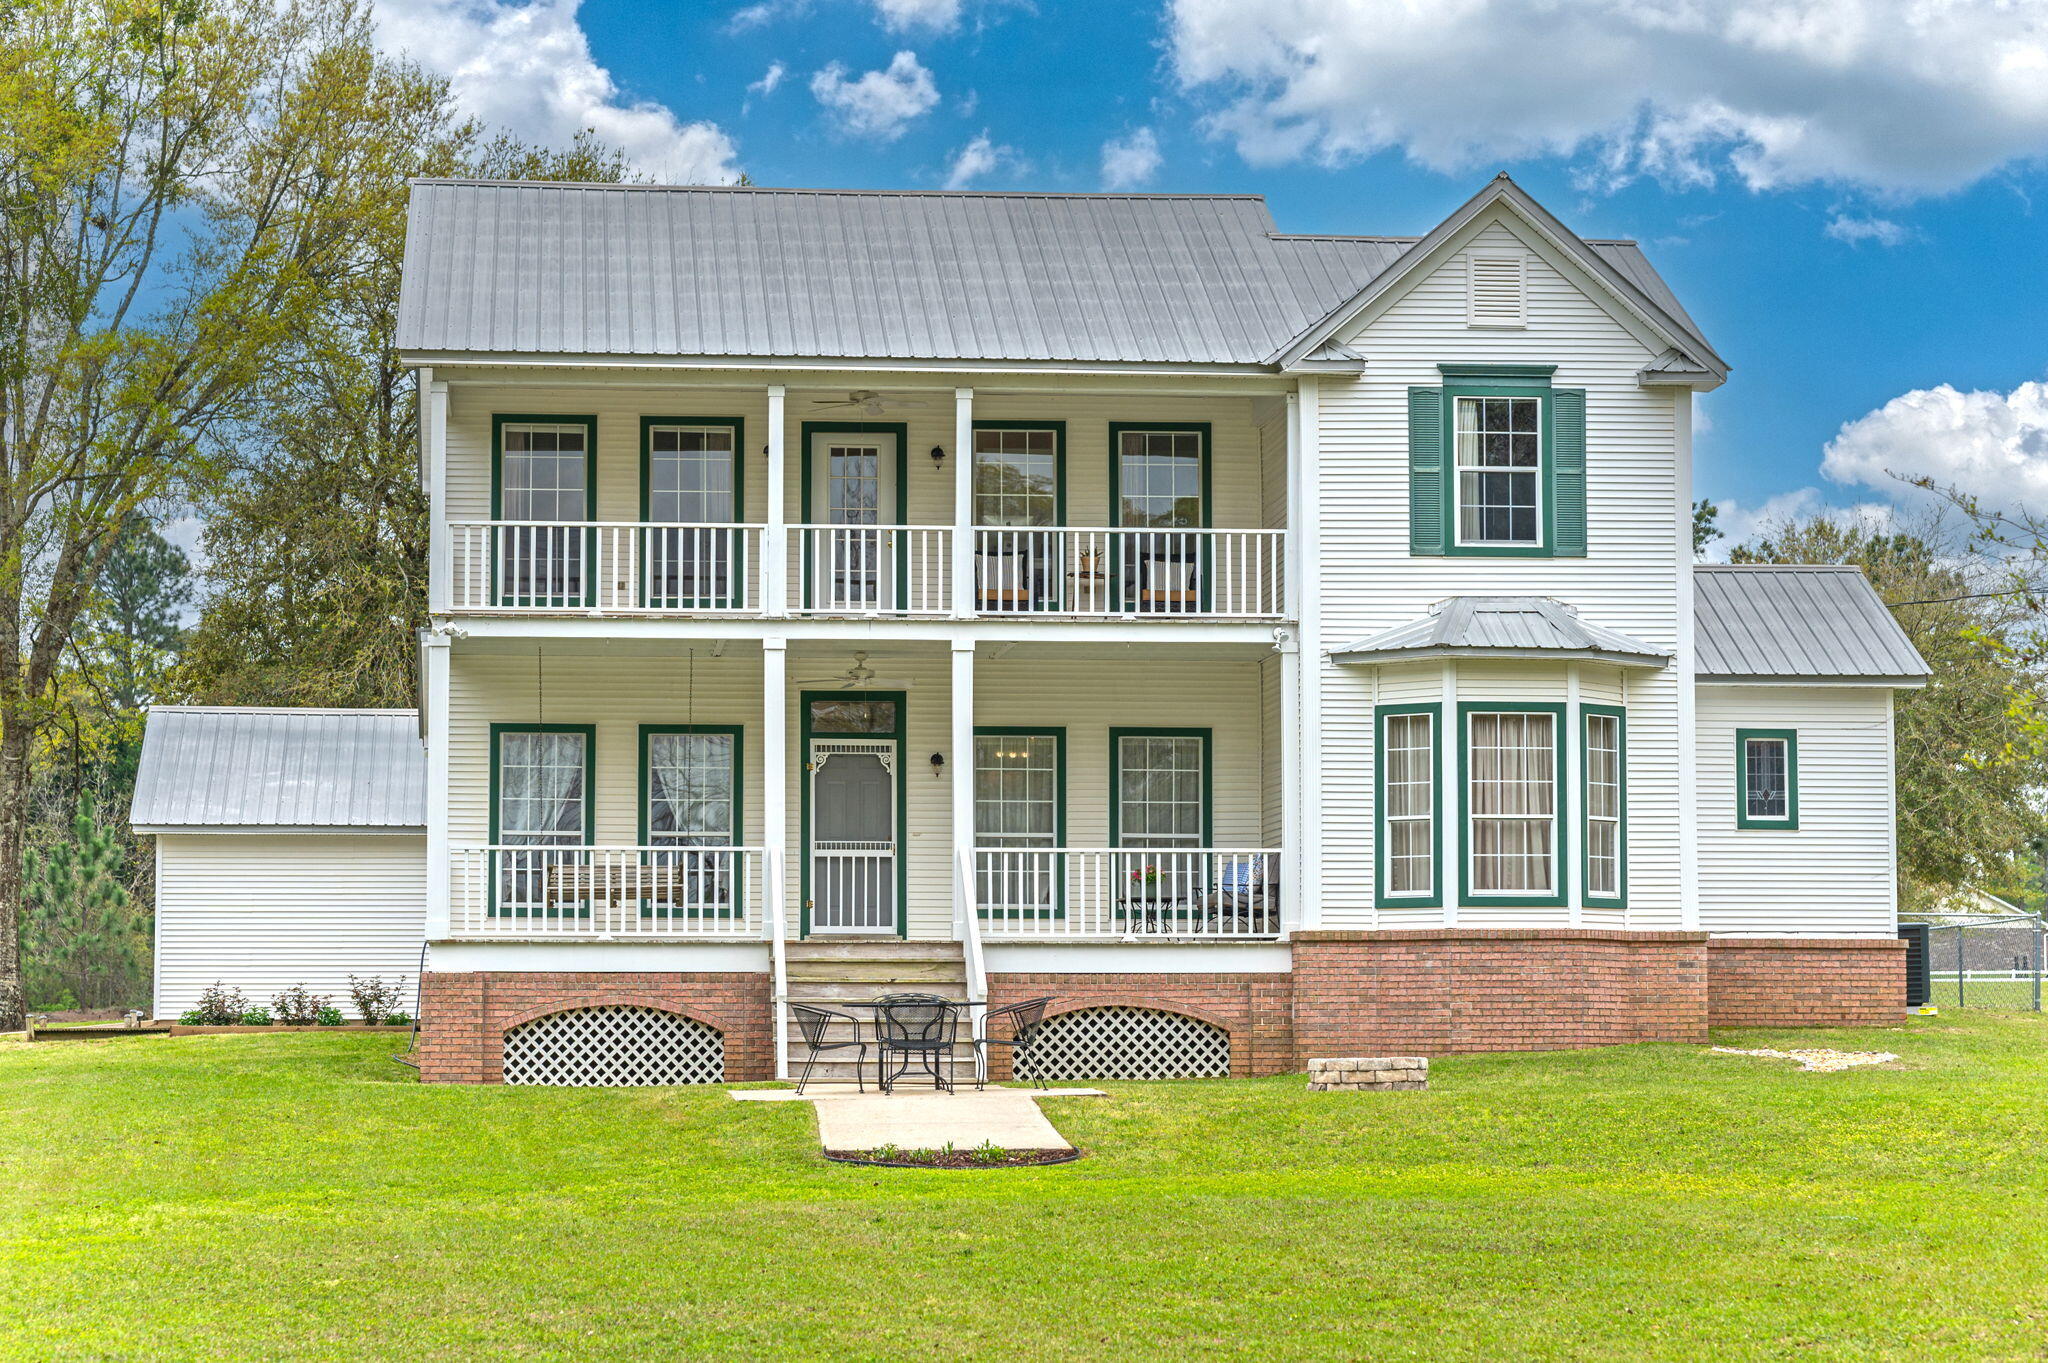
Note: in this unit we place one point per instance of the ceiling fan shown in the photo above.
(870, 402)
(858, 677)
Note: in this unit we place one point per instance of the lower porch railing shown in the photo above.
(1127, 893)
(509, 891)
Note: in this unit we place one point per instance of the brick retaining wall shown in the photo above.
(464, 1016)
(1805, 982)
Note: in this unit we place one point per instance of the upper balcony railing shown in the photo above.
(1051, 572)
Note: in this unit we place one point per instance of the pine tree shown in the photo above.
(84, 934)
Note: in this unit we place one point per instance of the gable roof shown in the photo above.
(1779, 622)
(1619, 265)
(743, 273)
(255, 767)
(1501, 627)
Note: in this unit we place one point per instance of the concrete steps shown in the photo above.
(836, 972)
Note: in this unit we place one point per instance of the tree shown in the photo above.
(316, 540)
(179, 182)
(1705, 525)
(1973, 744)
(84, 936)
(136, 623)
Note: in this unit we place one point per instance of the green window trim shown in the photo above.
(1618, 900)
(1383, 844)
(589, 734)
(1560, 816)
(737, 733)
(1059, 458)
(500, 420)
(1058, 734)
(1743, 818)
(805, 733)
(1116, 738)
(739, 458)
(1433, 472)
(1116, 434)
(899, 429)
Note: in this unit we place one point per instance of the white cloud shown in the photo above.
(975, 160)
(879, 104)
(1129, 162)
(770, 79)
(762, 14)
(1739, 522)
(528, 69)
(1856, 231)
(1899, 95)
(933, 16)
(1993, 446)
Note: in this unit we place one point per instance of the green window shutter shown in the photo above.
(1426, 489)
(1568, 472)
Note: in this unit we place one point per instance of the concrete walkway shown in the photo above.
(925, 1120)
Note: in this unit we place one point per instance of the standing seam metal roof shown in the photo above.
(1486, 625)
(249, 767)
(1782, 621)
(504, 267)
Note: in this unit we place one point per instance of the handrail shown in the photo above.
(1128, 893)
(778, 956)
(967, 924)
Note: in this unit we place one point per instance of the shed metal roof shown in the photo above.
(252, 767)
(1501, 627)
(498, 267)
(1785, 621)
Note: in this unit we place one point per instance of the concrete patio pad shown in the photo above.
(925, 1120)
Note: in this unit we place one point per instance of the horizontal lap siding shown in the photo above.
(263, 912)
(1833, 875)
(1628, 582)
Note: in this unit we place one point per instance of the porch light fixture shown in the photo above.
(938, 764)
(938, 455)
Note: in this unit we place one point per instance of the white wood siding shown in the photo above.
(261, 912)
(1628, 581)
(1833, 876)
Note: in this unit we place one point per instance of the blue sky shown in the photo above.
(1843, 192)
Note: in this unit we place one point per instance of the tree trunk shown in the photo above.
(14, 751)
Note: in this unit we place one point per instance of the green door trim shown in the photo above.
(804, 736)
(899, 429)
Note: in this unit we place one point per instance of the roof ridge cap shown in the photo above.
(641, 187)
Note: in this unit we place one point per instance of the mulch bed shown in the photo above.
(953, 1159)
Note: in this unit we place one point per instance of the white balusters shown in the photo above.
(1128, 893)
(656, 891)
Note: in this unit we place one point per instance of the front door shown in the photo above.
(854, 853)
(850, 561)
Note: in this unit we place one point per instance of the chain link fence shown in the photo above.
(1990, 963)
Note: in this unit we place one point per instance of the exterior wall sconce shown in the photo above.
(938, 456)
(938, 764)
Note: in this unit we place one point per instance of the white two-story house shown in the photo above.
(1265, 645)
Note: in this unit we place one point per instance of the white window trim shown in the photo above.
(1458, 481)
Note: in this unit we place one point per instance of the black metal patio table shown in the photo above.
(913, 1027)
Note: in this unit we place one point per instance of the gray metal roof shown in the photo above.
(251, 767)
(1784, 621)
(497, 267)
(1501, 627)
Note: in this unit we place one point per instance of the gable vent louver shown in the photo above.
(1495, 292)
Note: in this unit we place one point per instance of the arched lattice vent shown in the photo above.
(614, 1046)
(1125, 1043)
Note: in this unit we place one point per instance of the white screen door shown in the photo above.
(854, 852)
(853, 488)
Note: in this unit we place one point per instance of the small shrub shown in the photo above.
(218, 1006)
(328, 1016)
(398, 1020)
(256, 1017)
(374, 999)
(988, 1152)
(298, 1007)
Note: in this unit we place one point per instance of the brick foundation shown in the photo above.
(1257, 1010)
(464, 1016)
(1439, 991)
(1805, 982)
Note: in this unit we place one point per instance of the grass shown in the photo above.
(299, 1196)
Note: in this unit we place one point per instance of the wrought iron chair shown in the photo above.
(815, 1024)
(1020, 1020)
(914, 1027)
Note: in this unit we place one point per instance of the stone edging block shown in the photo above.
(1356, 1074)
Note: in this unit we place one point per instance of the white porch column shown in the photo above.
(1288, 646)
(1571, 815)
(434, 660)
(1302, 532)
(434, 478)
(775, 833)
(963, 503)
(1453, 839)
(775, 553)
(1684, 682)
(961, 761)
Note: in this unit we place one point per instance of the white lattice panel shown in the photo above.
(1125, 1043)
(614, 1047)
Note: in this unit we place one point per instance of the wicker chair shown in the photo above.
(815, 1025)
(914, 1027)
(1019, 1020)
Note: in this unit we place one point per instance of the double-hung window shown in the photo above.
(690, 795)
(1018, 816)
(541, 801)
(1513, 833)
(1767, 776)
(1497, 464)
(1409, 807)
(1159, 790)
(1605, 805)
(1499, 452)
(542, 496)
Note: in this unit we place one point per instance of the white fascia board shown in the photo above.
(417, 830)
(1138, 958)
(726, 958)
(991, 631)
(832, 364)
(1379, 657)
(1821, 683)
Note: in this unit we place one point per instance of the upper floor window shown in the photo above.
(1017, 474)
(1161, 476)
(1767, 773)
(1500, 470)
(544, 469)
(692, 473)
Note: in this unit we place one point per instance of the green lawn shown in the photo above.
(301, 1197)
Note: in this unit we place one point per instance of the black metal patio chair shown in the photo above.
(916, 1027)
(1018, 1021)
(815, 1024)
